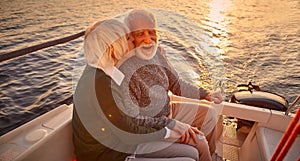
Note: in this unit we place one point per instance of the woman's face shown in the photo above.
(130, 42)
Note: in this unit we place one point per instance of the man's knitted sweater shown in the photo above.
(145, 90)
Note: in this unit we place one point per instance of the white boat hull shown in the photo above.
(49, 137)
(46, 138)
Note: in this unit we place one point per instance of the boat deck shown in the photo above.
(231, 139)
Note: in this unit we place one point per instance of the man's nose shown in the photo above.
(147, 37)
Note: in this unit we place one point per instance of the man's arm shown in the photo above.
(179, 86)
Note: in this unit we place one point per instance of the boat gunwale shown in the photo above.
(27, 50)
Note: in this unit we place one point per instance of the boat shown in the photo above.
(273, 134)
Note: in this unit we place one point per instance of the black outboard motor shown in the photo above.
(251, 95)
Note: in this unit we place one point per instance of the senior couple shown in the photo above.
(122, 110)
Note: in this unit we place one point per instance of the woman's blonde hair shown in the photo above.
(105, 43)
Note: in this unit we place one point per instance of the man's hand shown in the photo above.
(216, 97)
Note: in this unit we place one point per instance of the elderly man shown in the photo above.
(148, 79)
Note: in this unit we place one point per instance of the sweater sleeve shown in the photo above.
(129, 105)
(155, 122)
(179, 86)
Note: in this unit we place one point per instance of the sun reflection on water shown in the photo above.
(218, 24)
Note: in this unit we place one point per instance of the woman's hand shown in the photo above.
(186, 132)
(191, 133)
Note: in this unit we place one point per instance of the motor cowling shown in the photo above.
(251, 95)
(260, 99)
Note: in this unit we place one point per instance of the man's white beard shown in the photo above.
(146, 51)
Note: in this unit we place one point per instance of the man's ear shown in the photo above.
(162, 51)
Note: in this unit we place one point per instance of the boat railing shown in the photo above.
(292, 105)
(24, 51)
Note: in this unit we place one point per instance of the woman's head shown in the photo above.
(105, 43)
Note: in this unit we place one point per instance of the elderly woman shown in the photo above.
(101, 129)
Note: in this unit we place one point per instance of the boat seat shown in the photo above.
(268, 139)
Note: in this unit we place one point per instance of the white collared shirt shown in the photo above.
(115, 74)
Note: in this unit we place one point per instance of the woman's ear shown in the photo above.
(112, 51)
(113, 55)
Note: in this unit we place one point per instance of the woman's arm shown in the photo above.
(110, 101)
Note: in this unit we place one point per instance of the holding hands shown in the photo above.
(184, 132)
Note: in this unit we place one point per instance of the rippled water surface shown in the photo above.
(211, 43)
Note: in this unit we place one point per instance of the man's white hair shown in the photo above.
(137, 13)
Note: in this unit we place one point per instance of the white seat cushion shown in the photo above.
(268, 140)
